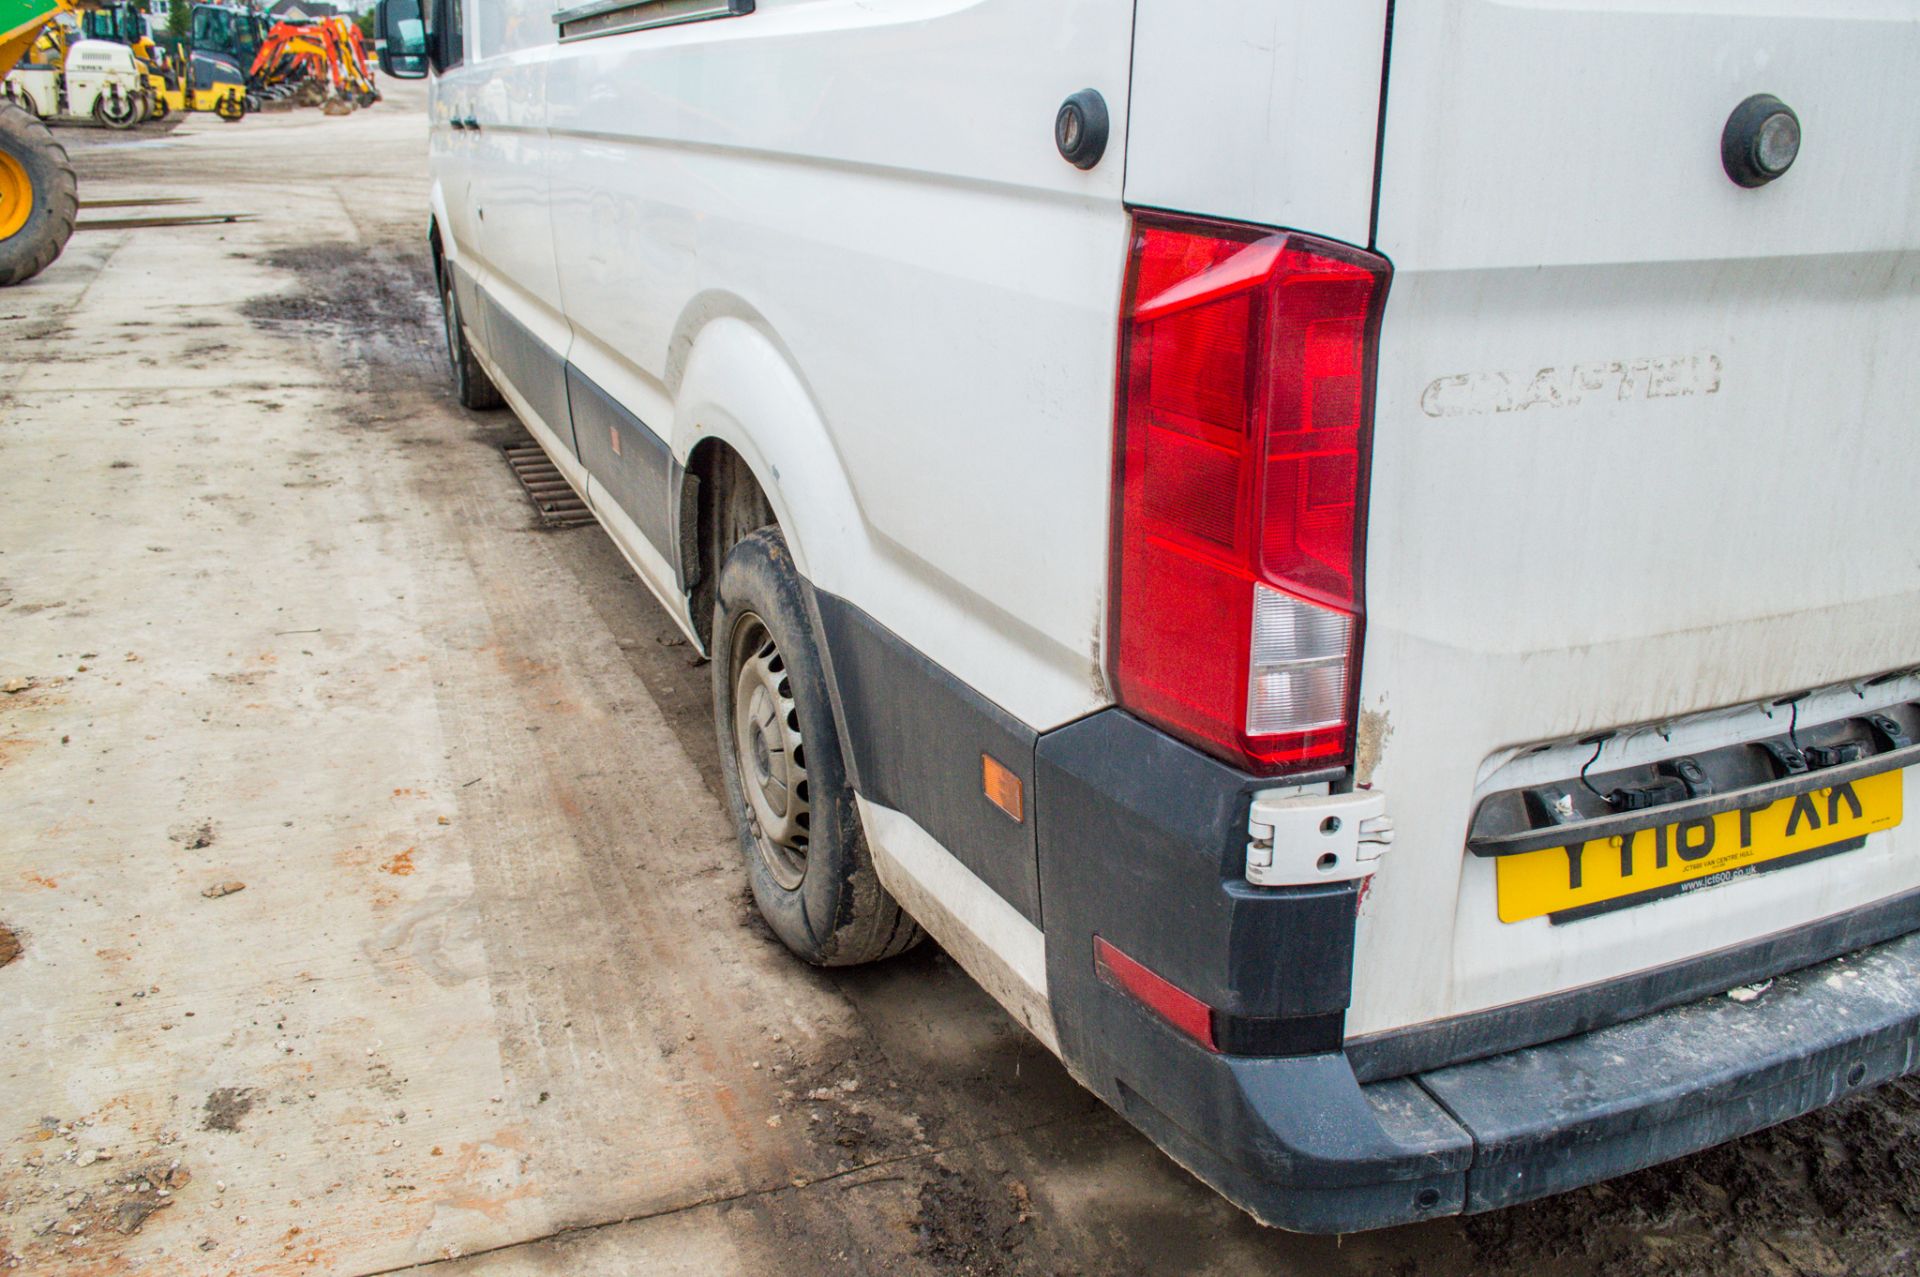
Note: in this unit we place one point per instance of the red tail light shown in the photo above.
(1246, 401)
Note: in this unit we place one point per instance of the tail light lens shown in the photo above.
(1246, 395)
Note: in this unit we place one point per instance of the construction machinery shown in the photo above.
(66, 75)
(223, 40)
(173, 82)
(206, 72)
(38, 196)
(320, 63)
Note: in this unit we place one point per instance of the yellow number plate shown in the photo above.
(1649, 864)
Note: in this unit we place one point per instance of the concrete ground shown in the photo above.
(374, 907)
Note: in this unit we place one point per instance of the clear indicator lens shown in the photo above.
(1297, 679)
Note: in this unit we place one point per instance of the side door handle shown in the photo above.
(473, 124)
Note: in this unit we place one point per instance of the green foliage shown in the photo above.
(179, 15)
(364, 20)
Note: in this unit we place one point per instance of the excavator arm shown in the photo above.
(320, 62)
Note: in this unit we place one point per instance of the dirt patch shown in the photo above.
(9, 944)
(227, 1105)
(144, 1191)
(964, 1226)
(69, 1196)
(1832, 1193)
(379, 303)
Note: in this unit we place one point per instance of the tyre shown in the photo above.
(38, 196)
(117, 110)
(471, 385)
(786, 780)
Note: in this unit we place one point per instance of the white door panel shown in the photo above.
(1258, 110)
(1640, 441)
(510, 192)
(450, 152)
(876, 188)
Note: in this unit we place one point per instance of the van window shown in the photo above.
(507, 26)
(449, 36)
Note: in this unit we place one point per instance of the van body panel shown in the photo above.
(450, 155)
(1588, 132)
(513, 219)
(1641, 452)
(1258, 111)
(738, 167)
(1639, 438)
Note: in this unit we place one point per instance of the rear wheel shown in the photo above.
(471, 385)
(38, 196)
(799, 829)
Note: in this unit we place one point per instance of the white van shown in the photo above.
(1354, 565)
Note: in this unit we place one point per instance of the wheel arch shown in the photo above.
(743, 413)
(443, 245)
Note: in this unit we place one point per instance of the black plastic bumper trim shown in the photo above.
(1605, 1103)
(914, 735)
(1283, 1035)
(1300, 1144)
(1483, 1033)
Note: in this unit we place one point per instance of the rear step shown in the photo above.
(1591, 1107)
(554, 499)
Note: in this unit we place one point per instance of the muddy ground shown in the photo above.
(372, 900)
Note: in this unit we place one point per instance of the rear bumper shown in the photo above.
(1557, 1116)
(1298, 1140)
(1542, 1120)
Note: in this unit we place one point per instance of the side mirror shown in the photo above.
(400, 39)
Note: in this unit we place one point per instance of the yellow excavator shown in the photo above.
(38, 196)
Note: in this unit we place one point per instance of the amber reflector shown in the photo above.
(1003, 788)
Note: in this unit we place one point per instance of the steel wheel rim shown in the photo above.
(16, 196)
(770, 753)
(128, 111)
